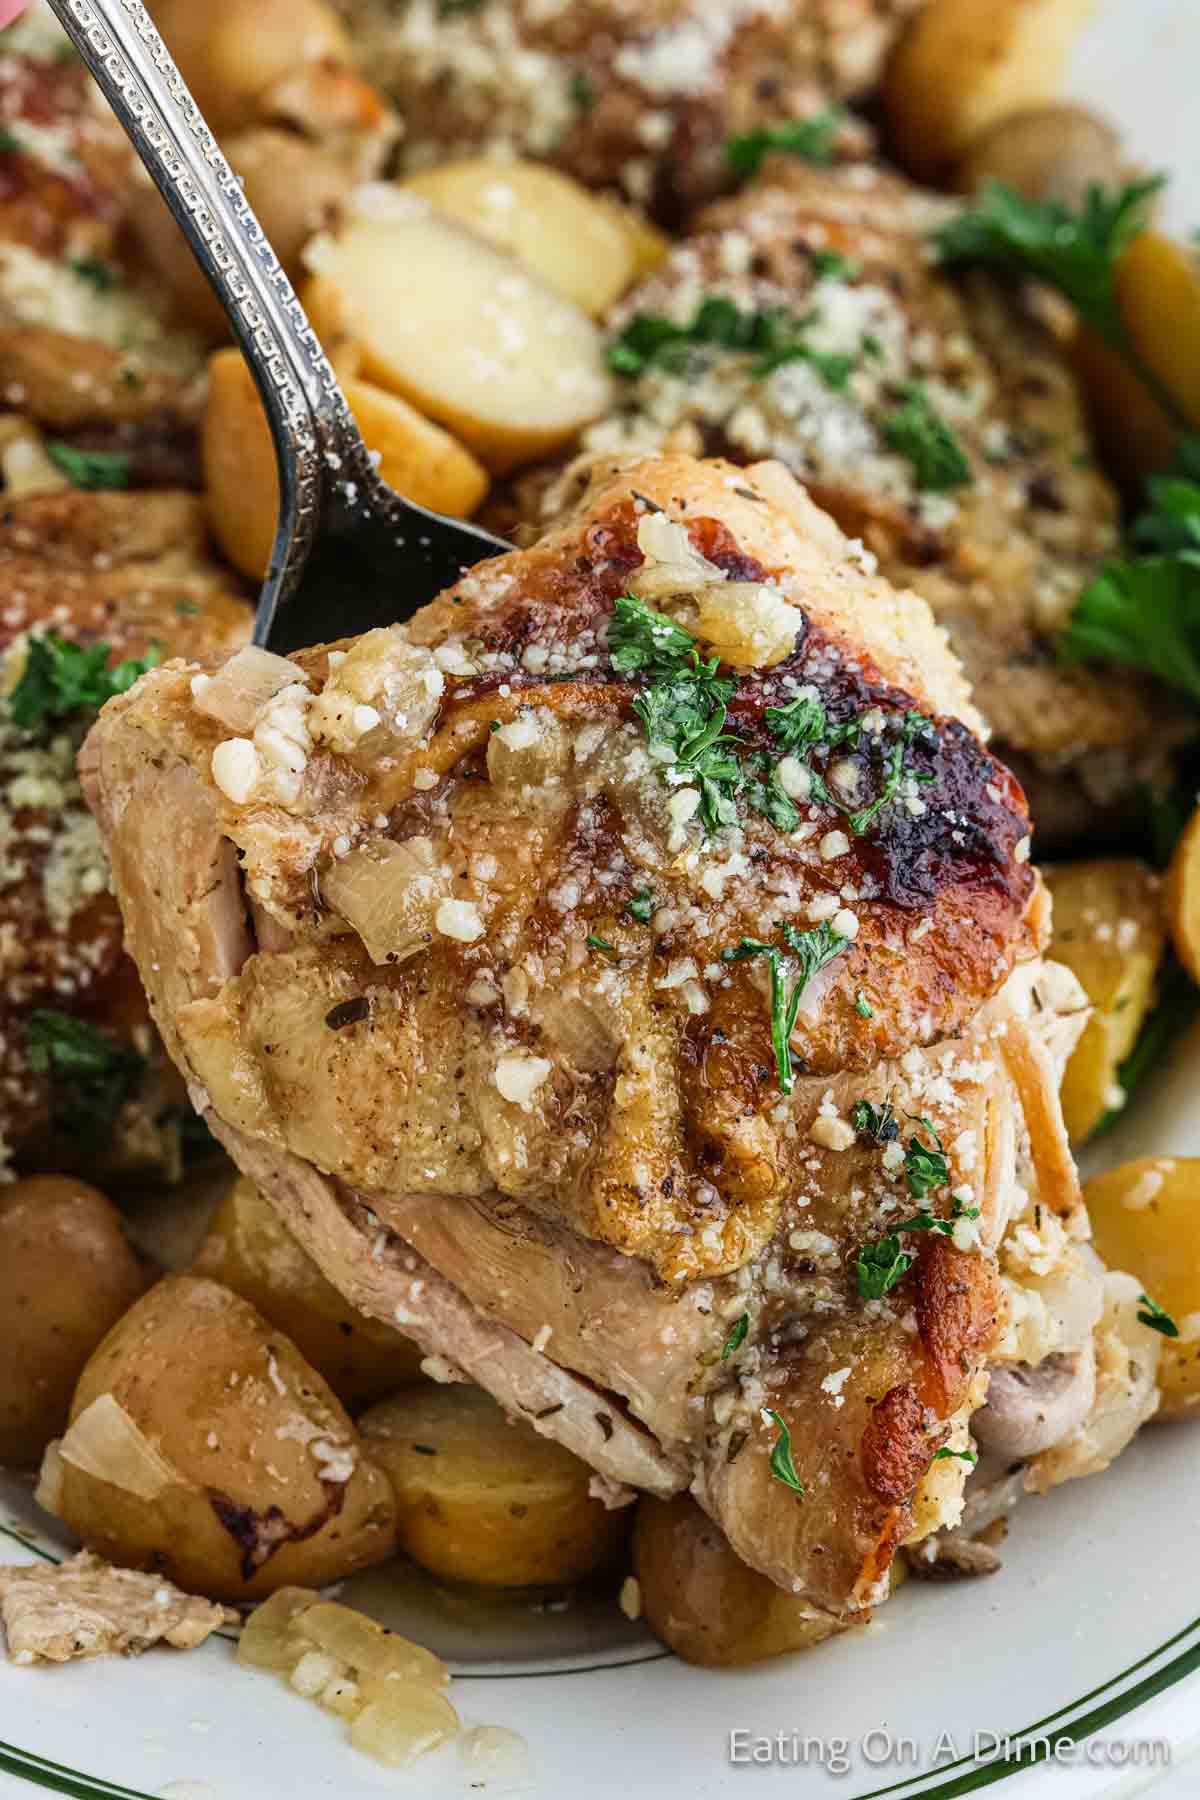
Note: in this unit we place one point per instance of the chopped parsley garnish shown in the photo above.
(1152, 1314)
(736, 1338)
(642, 906)
(766, 796)
(61, 678)
(914, 725)
(642, 641)
(881, 1266)
(450, 9)
(920, 435)
(1177, 1004)
(803, 725)
(810, 138)
(925, 1168)
(95, 272)
(945, 1453)
(582, 92)
(812, 950)
(1074, 251)
(877, 1124)
(831, 265)
(91, 1076)
(599, 943)
(10, 143)
(90, 469)
(782, 1466)
(862, 1006)
(774, 335)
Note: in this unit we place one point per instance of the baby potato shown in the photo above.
(250, 1250)
(231, 51)
(484, 1499)
(203, 1445)
(417, 458)
(1183, 897)
(1108, 929)
(67, 1273)
(709, 1606)
(1046, 153)
(963, 65)
(563, 234)
(458, 329)
(1146, 1218)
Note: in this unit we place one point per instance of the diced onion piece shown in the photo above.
(240, 690)
(672, 565)
(268, 1640)
(385, 674)
(530, 751)
(402, 1722)
(390, 894)
(351, 1638)
(748, 623)
(104, 1442)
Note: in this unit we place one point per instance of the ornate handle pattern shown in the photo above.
(310, 421)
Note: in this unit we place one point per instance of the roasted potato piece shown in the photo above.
(202, 1444)
(484, 1499)
(1146, 1218)
(1183, 897)
(250, 1250)
(418, 458)
(458, 329)
(231, 52)
(67, 1273)
(1108, 929)
(707, 1604)
(567, 237)
(1158, 292)
(963, 65)
(1047, 153)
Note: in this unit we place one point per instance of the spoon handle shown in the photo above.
(310, 421)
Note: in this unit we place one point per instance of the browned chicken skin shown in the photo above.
(380, 898)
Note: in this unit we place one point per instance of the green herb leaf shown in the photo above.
(919, 434)
(1152, 1314)
(813, 949)
(925, 1168)
(96, 273)
(10, 143)
(642, 641)
(913, 726)
(582, 91)
(810, 138)
(598, 943)
(1143, 614)
(945, 1453)
(881, 1266)
(643, 906)
(766, 796)
(90, 468)
(1074, 251)
(1177, 1005)
(61, 678)
(862, 1006)
(91, 1076)
(831, 265)
(736, 1338)
(774, 334)
(878, 1124)
(782, 1466)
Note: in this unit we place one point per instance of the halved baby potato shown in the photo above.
(251, 1250)
(704, 1602)
(484, 1499)
(1146, 1218)
(202, 1444)
(416, 457)
(1046, 152)
(232, 51)
(458, 329)
(962, 65)
(567, 237)
(1109, 930)
(1183, 897)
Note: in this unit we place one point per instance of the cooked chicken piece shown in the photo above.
(131, 571)
(474, 971)
(84, 1607)
(639, 95)
(939, 423)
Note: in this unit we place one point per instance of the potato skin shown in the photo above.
(1108, 929)
(67, 1273)
(1046, 153)
(483, 1500)
(1182, 897)
(230, 1404)
(250, 1250)
(1146, 1218)
(704, 1602)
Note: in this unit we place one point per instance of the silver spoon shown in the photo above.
(349, 553)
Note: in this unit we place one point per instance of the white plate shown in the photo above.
(1089, 1639)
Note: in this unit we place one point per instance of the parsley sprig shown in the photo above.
(736, 1338)
(1156, 1317)
(782, 1466)
(885, 1262)
(61, 678)
(772, 334)
(92, 469)
(810, 951)
(916, 431)
(803, 726)
(91, 1076)
(810, 138)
